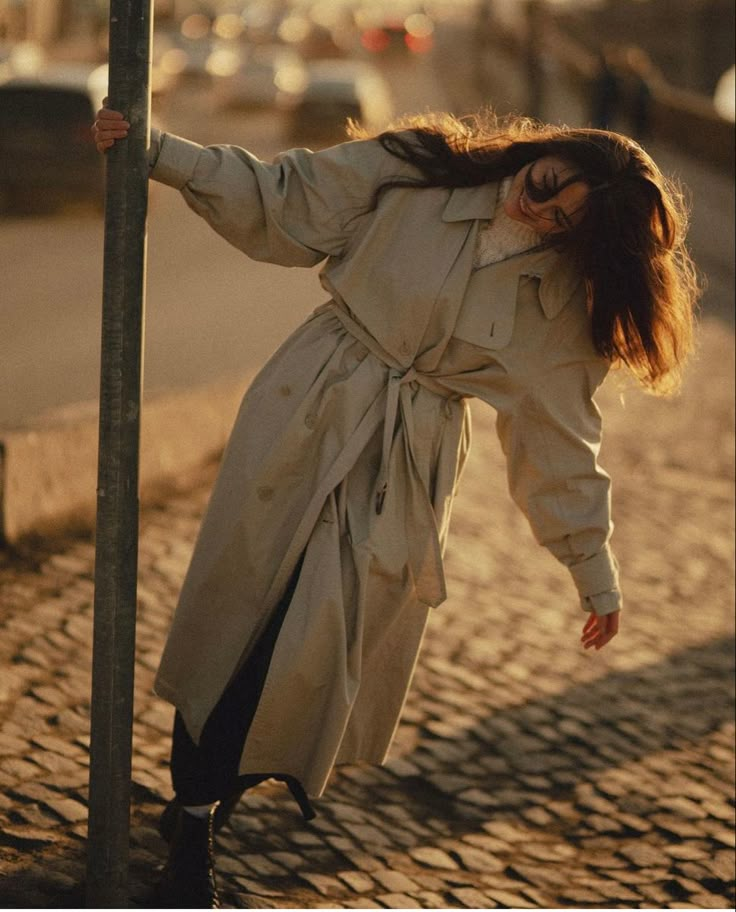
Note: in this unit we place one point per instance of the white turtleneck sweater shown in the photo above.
(503, 237)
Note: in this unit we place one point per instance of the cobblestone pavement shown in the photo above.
(526, 771)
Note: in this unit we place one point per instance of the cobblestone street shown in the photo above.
(526, 772)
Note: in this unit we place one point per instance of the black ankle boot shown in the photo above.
(173, 810)
(188, 879)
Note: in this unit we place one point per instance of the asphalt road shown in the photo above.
(209, 310)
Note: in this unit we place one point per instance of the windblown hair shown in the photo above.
(629, 245)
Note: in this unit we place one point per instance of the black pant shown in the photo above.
(207, 772)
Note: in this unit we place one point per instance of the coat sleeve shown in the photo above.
(551, 433)
(295, 211)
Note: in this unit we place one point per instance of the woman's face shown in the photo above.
(541, 197)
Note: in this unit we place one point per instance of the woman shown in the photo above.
(512, 262)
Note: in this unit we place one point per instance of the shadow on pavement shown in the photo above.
(546, 750)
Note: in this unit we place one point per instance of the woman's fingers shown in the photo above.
(592, 630)
(600, 630)
(109, 125)
(105, 139)
(608, 629)
(110, 117)
(109, 113)
(591, 622)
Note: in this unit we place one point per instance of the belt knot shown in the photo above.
(396, 379)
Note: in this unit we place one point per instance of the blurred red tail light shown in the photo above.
(375, 40)
(419, 44)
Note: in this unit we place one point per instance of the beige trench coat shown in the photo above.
(350, 443)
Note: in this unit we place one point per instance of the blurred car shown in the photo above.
(46, 148)
(255, 77)
(337, 90)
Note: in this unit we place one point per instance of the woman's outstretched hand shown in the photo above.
(599, 630)
(109, 125)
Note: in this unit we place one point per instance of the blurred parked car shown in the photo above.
(337, 90)
(46, 147)
(259, 76)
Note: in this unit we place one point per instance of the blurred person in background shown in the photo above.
(509, 261)
(640, 75)
(606, 91)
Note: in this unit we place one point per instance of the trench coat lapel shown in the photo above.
(464, 204)
(471, 203)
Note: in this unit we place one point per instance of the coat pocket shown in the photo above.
(488, 311)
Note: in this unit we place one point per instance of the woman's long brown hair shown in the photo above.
(629, 245)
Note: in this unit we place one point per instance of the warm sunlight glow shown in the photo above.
(228, 26)
(291, 79)
(195, 26)
(223, 62)
(294, 29)
(418, 25)
(326, 13)
(174, 61)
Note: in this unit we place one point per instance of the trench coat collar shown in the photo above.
(559, 279)
(467, 203)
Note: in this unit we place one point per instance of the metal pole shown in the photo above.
(117, 484)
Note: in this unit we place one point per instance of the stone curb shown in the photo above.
(48, 468)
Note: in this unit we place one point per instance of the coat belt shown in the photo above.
(426, 552)
(396, 379)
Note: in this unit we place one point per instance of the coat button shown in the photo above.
(285, 390)
(404, 348)
(310, 420)
(265, 493)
